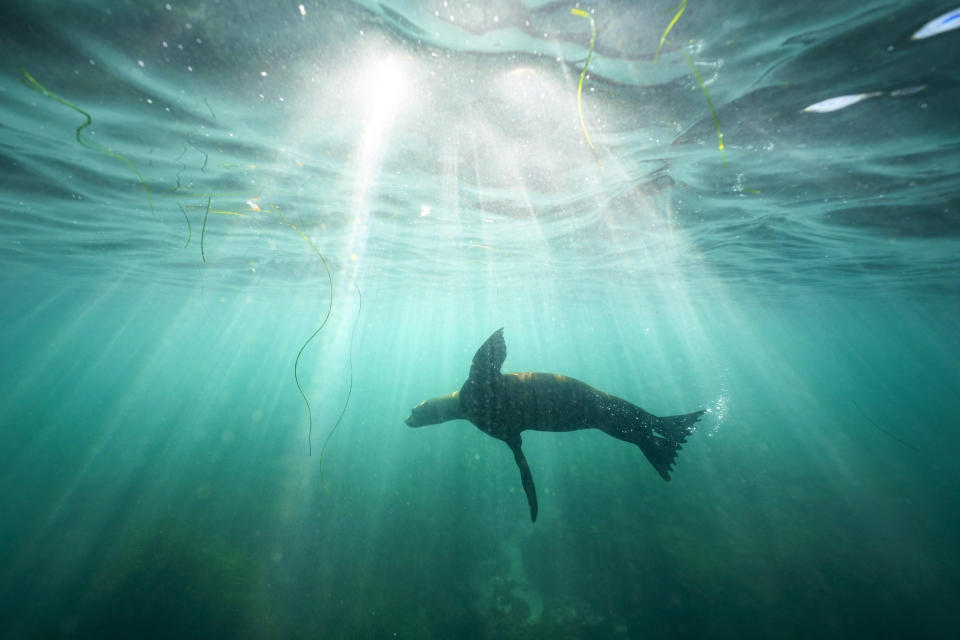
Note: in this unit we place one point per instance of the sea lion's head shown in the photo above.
(435, 411)
(423, 414)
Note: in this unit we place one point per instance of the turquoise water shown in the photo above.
(164, 265)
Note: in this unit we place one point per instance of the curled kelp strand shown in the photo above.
(326, 317)
(183, 167)
(881, 429)
(212, 114)
(189, 227)
(583, 74)
(346, 402)
(203, 230)
(203, 168)
(32, 83)
(713, 112)
(663, 38)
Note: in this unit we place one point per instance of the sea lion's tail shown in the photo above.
(664, 439)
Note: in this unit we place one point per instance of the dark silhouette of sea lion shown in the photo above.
(503, 405)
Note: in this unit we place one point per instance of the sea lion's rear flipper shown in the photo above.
(525, 476)
(669, 434)
(677, 428)
(489, 357)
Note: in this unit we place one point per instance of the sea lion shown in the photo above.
(503, 405)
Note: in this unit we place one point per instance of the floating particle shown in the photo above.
(840, 102)
(908, 91)
(942, 23)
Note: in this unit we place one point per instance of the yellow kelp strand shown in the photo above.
(716, 120)
(663, 38)
(200, 194)
(583, 74)
(31, 82)
(221, 212)
(326, 317)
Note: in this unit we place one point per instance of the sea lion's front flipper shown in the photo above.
(489, 357)
(525, 476)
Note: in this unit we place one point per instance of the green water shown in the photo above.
(155, 474)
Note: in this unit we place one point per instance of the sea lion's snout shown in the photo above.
(418, 415)
(435, 411)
